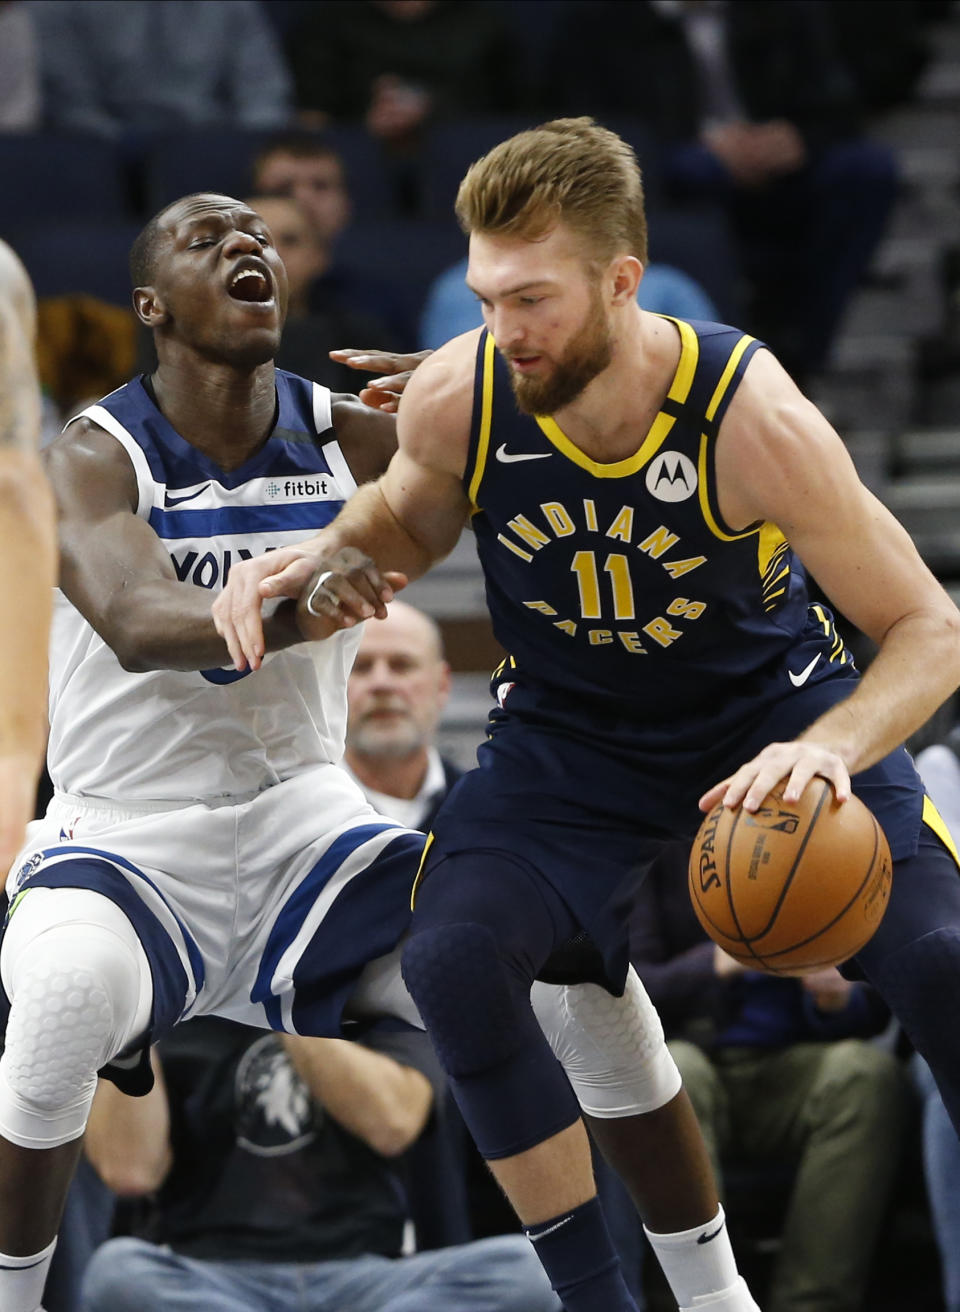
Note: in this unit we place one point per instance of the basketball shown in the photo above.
(795, 886)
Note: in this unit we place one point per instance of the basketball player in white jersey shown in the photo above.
(203, 852)
(27, 544)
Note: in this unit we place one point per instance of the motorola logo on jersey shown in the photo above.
(671, 476)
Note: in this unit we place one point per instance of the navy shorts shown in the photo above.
(588, 812)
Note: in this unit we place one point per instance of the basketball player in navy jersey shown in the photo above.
(203, 852)
(642, 492)
(27, 541)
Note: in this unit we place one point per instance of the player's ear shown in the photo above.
(626, 272)
(149, 306)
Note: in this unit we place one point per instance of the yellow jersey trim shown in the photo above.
(710, 518)
(486, 419)
(661, 426)
(935, 821)
(419, 874)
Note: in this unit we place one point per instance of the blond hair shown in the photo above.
(570, 170)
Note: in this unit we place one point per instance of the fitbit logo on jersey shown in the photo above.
(297, 487)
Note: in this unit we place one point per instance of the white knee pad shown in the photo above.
(612, 1049)
(80, 989)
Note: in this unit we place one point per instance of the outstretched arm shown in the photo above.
(28, 541)
(117, 572)
(779, 460)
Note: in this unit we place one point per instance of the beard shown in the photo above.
(393, 740)
(588, 354)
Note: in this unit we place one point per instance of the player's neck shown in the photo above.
(399, 777)
(225, 412)
(611, 416)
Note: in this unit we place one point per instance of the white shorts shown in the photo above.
(264, 912)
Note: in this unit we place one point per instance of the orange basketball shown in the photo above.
(795, 886)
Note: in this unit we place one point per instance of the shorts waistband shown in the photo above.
(64, 804)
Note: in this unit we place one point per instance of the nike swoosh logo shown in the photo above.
(549, 1230)
(798, 680)
(504, 456)
(170, 501)
(705, 1238)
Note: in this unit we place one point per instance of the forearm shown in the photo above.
(367, 523)
(28, 535)
(128, 1139)
(916, 668)
(167, 625)
(370, 1094)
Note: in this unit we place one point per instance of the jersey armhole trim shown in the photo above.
(145, 481)
(486, 420)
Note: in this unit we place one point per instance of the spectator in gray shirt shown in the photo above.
(19, 70)
(154, 64)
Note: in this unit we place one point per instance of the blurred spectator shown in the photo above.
(275, 1165)
(452, 308)
(939, 767)
(397, 689)
(886, 48)
(754, 108)
(310, 334)
(85, 348)
(393, 64)
(157, 64)
(778, 1072)
(19, 69)
(306, 166)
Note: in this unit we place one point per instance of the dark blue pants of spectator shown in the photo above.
(806, 238)
(941, 1170)
(500, 1274)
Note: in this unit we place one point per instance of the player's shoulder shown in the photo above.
(442, 387)
(15, 289)
(366, 437)
(85, 457)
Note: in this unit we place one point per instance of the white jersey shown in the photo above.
(210, 735)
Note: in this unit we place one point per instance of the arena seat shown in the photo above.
(221, 159)
(407, 254)
(50, 176)
(697, 239)
(78, 256)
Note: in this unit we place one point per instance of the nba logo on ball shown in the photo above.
(791, 888)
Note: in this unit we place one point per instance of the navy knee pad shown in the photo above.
(463, 992)
(508, 1085)
(916, 981)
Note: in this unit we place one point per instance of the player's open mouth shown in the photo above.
(522, 362)
(252, 284)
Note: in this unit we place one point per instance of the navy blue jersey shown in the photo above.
(619, 586)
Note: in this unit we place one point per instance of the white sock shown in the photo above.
(22, 1280)
(701, 1269)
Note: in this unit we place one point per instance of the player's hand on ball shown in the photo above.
(346, 588)
(237, 612)
(798, 759)
(382, 393)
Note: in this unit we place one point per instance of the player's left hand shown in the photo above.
(798, 759)
(382, 393)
